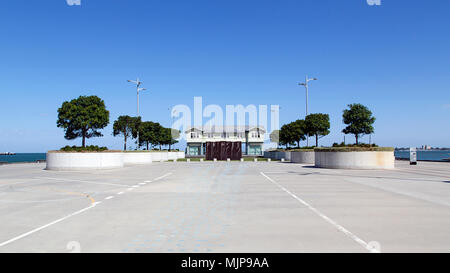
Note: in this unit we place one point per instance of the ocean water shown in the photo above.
(425, 155)
(22, 158)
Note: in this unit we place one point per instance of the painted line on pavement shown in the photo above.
(109, 197)
(48, 225)
(323, 216)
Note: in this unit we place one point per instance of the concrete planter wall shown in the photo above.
(278, 155)
(181, 155)
(156, 156)
(355, 160)
(164, 156)
(131, 158)
(306, 157)
(66, 161)
(83, 161)
(172, 155)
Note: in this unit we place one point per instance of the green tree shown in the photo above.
(83, 117)
(317, 125)
(298, 131)
(275, 137)
(127, 127)
(286, 136)
(174, 135)
(359, 120)
(149, 134)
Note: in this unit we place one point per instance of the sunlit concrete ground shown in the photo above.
(225, 207)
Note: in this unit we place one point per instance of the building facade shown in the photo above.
(251, 137)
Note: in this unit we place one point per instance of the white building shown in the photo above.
(250, 136)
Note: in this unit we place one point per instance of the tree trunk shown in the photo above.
(125, 144)
(298, 144)
(317, 140)
(356, 136)
(147, 145)
(170, 146)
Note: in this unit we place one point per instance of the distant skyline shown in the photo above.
(393, 58)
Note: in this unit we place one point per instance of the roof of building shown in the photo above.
(226, 129)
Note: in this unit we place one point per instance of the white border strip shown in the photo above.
(323, 216)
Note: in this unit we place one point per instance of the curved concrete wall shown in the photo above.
(355, 160)
(172, 155)
(181, 155)
(164, 156)
(83, 161)
(303, 157)
(156, 156)
(137, 158)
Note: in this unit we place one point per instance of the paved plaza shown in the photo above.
(206, 207)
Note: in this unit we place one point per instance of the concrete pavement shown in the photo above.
(225, 207)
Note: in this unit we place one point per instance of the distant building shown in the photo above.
(250, 136)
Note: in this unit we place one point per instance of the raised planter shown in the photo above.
(164, 156)
(278, 155)
(180, 155)
(62, 161)
(156, 156)
(137, 157)
(303, 157)
(355, 158)
(172, 155)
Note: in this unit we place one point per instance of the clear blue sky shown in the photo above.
(394, 58)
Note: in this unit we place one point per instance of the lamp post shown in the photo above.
(306, 85)
(138, 89)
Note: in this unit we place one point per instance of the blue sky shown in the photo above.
(394, 58)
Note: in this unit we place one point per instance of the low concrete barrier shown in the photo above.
(61, 161)
(172, 155)
(156, 156)
(130, 158)
(355, 159)
(303, 157)
(278, 155)
(181, 155)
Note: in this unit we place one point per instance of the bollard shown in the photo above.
(255, 160)
(215, 159)
(228, 160)
(269, 160)
(242, 160)
(175, 160)
(282, 160)
(188, 160)
(201, 159)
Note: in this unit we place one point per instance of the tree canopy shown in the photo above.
(83, 117)
(359, 120)
(149, 134)
(317, 125)
(292, 133)
(275, 137)
(127, 127)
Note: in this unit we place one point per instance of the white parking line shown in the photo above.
(162, 177)
(75, 213)
(120, 193)
(142, 184)
(323, 216)
(83, 181)
(47, 225)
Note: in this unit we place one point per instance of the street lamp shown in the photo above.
(138, 89)
(305, 84)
